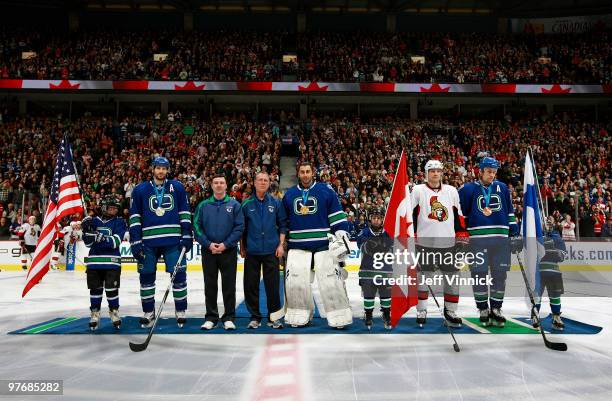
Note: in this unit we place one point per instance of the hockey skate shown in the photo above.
(557, 323)
(451, 319)
(147, 320)
(277, 324)
(94, 321)
(496, 318)
(368, 319)
(484, 316)
(254, 324)
(180, 318)
(386, 316)
(535, 322)
(115, 319)
(421, 317)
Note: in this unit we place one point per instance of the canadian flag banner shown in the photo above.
(398, 225)
(313, 86)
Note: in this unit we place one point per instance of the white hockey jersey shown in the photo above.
(437, 215)
(29, 233)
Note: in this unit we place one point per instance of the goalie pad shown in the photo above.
(299, 301)
(333, 291)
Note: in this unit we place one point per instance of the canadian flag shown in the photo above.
(398, 225)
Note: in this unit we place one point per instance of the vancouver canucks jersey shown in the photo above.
(371, 243)
(555, 252)
(312, 214)
(496, 221)
(105, 254)
(158, 225)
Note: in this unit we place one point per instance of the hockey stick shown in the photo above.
(455, 345)
(549, 344)
(137, 347)
(279, 314)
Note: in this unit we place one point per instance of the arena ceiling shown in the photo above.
(505, 8)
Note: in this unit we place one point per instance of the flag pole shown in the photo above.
(543, 213)
(76, 175)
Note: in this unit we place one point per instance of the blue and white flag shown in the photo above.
(533, 234)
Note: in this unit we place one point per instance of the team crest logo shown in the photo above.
(309, 208)
(438, 210)
(104, 230)
(167, 203)
(271, 209)
(495, 203)
(229, 209)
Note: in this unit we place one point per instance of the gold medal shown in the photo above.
(160, 212)
(487, 211)
(304, 210)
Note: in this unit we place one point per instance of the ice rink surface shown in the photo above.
(322, 367)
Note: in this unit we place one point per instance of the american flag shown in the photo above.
(64, 200)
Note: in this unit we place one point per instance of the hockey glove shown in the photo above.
(516, 244)
(87, 226)
(138, 252)
(187, 243)
(339, 247)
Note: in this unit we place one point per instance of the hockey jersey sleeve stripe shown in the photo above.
(117, 241)
(134, 219)
(335, 217)
(337, 222)
(334, 214)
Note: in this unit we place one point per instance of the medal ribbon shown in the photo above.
(159, 194)
(486, 194)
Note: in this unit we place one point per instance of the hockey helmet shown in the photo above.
(109, 201)
(489, 162)
(161, 161)
(433, 164)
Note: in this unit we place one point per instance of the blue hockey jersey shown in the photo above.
(555, 252)
(106, 253)
(311, 221)
(370, 244)
(159, 231)
(501, 222)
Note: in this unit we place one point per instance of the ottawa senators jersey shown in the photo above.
(437, 215)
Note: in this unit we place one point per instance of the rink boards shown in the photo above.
(581, 256)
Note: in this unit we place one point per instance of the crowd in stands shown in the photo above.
(321, 56)
(358, 158)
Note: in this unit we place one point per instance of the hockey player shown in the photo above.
(372, 240)
(71, 233)
(490, 221)
(160, 225)
(28, 238)
(551, 277)
(438, 221)
(314, 211)
(103, 235)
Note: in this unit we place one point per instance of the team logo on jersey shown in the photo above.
(438, 210)
(104, 230)
(229, 209)
(270, 208)
(495, 203)
(311, 204)
(167, 203)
